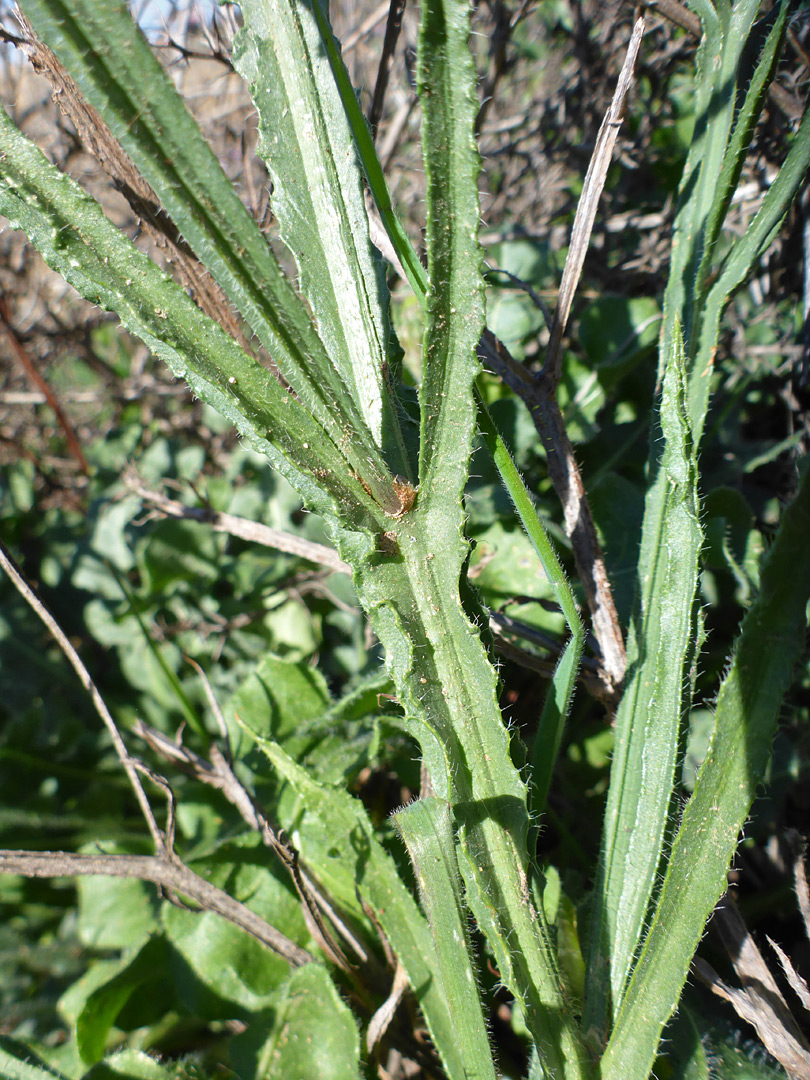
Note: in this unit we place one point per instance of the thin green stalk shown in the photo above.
(409, 260)
(558, 701)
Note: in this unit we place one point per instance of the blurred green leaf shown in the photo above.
(308, 1034)
(131, 1065)
(618, 330)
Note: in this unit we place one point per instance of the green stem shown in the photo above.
(558, 702)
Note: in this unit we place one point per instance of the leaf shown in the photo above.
(16, 1063)
(648, 719)
(103, 1005)
(115, 67)
(427, 830)
(770, 643)
(218, 969)
(76, 239)
(619, 331)
(313, 1035)
(307, 143)
(129, 1065)
(115, 913)
(290, 703)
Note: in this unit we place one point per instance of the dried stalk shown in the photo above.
(238, 526)
(167, 872)
(540, 395)
(760, 1001)
(218, 774)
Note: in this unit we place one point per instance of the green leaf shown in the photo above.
(129, 1065)
(364, 145)
(648, 719)
(16, 1063)
(281, 699)
(318, 199)
(78, 241)
(718, 61)
(115, 913)
(218, 969)
(710, 177)
(313, 1035)
(558, 701)
(770, 643)
(102, 1007)
(617, 330)
(754, 88)
(290, 703)
(116, 69)
(426, 827)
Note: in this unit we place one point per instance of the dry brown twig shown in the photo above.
(760, 1001)
(170, 874)
(220, 775)
(393, 26)
(245, 529)
(540, 395)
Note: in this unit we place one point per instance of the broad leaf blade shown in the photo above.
(313, 1034)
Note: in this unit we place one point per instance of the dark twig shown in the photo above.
(579, 526)
(498, 42)
(531, 292)
(392, 28)
(167, 872)
(680, 15)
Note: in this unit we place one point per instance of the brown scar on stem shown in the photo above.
(405, 493)
(405, 496)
